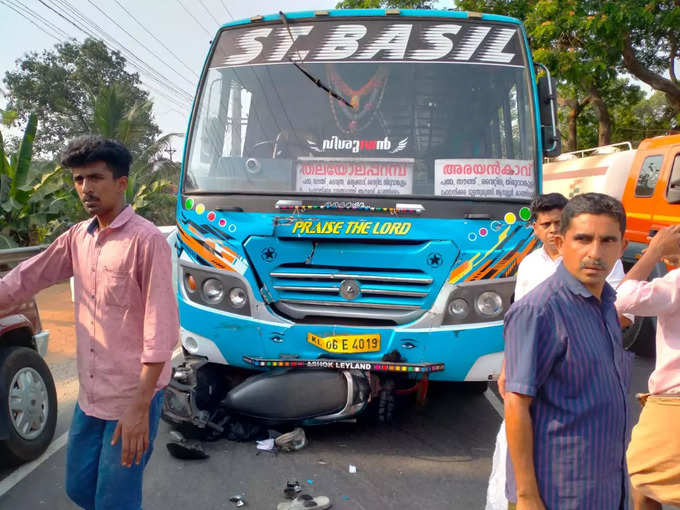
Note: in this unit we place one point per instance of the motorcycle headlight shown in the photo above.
(459, 308)
(489, 304)
(213, 291)
(238, 297)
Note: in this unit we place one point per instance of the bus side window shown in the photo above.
(649, 174)
(673, 191)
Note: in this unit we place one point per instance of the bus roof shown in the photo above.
(340, 13)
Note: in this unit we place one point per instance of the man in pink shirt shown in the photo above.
(654, 452)
(126, 326)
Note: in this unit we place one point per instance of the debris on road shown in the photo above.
(305, 502)
(266, 445)
(292, 489)
(292, 441)
(180, 448)
(352, 468)
(238, 500)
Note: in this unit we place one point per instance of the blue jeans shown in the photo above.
(95, 478)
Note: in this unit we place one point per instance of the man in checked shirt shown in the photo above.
(126, 326)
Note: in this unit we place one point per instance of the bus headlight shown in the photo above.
(489, 304)
(459, 308)
(213, 291)
(222, 290)
(238, 297)
(479, 301)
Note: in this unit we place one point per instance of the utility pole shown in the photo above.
(170, 151)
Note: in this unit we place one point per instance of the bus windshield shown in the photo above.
(419, 109)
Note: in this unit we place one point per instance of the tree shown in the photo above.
(152, 177)
(642, 37)
(35, 198)
(61, 84)
(637, 36)
(380, 4)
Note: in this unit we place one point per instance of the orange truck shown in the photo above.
(646, 180)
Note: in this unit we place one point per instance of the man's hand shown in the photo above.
(666, 242)
(533, 502)
(133, 429)
(501, 380)
(672, 260)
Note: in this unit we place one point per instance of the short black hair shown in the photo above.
(547, 202)
(92, 148)
(593, 203)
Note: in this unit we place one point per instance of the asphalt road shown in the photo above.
(438, 457)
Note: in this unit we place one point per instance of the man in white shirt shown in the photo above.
(535, 268)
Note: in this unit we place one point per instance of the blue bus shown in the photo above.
(353, 208)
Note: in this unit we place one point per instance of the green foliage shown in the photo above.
(61, 84)
(153, 184)
(36, 199)
(587, 44)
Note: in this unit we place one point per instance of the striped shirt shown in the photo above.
(563, 347)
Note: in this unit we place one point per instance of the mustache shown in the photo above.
(592, 263)
(89, 197)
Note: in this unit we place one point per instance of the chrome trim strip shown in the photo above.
(383, 292)
(350, 304)
(387, 292)
(345, 276)
(292, 288)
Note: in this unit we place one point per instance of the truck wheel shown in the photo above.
(28, 404)
(640, 337)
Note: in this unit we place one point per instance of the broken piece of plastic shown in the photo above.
(238, 500)
(292, 489)
(265, 444)
(305, 502)
(291, 441)
(186, 450)
(352, 468)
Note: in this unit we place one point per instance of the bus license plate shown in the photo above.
(346, 344)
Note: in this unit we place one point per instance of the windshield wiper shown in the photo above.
(314, 79)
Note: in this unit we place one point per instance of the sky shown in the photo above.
(181, 33)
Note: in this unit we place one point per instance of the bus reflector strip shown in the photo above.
(345, 364)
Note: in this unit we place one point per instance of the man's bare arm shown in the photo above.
(133, 426)
(519, 430)
(665, 244)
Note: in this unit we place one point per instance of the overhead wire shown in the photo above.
(131, 56)
(227, 9)
(140, 43)
(174, 99)
(194, 17)
(35, 15)
(42, 29)
(157, 39)
(209, 13)
(93, 30)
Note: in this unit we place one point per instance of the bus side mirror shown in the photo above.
(547, 104)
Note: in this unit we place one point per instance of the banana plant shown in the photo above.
(14, 188)
(35, 197)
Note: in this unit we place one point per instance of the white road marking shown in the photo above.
(27, 469)
(22, 472)
(495, 402)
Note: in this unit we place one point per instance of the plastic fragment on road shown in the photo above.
(266, 444)
(352, 468)
(305, 502)
(292, 489)
(238, 500)
(292, 441)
